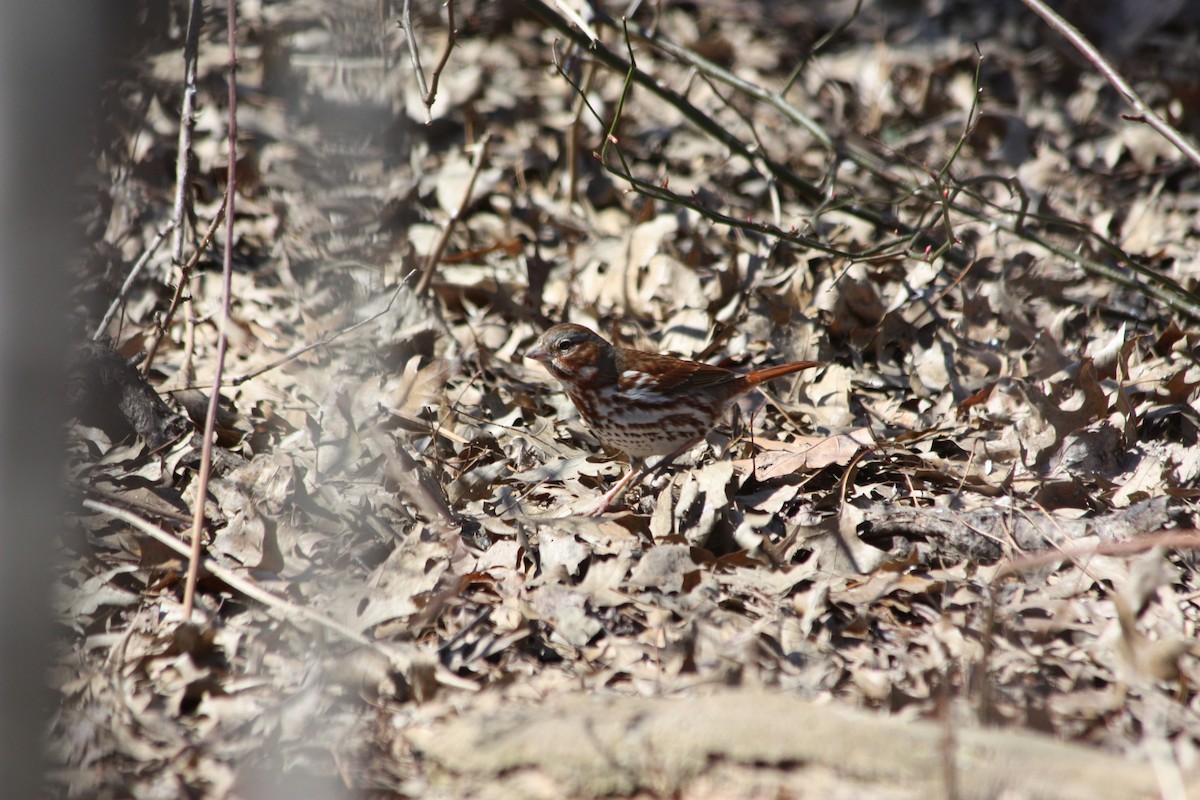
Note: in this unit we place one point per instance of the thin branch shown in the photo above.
(428, 91)
(818, 46)
(187, 122)
(663, 192)
(185, 277)
(574, 134)
(571, 14)
(451, 36)
(1145, 113)
(1178, 539)
(210, 421)
(414, 54)
(435, 256)
(133, 273)
(329, 339)
(283, 608)
(692, 114)
(718, 73)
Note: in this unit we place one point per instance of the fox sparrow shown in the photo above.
(643, 404)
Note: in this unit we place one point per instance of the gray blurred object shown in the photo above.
(47, 88)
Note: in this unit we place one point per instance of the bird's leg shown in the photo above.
(638, 470)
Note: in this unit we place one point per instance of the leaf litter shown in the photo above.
(974, 520)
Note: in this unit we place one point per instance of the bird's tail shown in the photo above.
(753, 379)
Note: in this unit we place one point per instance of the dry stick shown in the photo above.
(187, 122)
(414, 55)
(185, 277)
(133, 273)
(428, 92)
(1146, 114)
(577, 20)
(451, 36)
(210, 421)
(286, 609)
(1180, 539)
(328, 339)
(436, 256)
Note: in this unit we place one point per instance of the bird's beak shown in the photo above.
(538, 353)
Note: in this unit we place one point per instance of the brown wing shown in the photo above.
(671, 375)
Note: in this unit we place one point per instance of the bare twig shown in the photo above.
(428, 91)
(325, 340)
(210, 421)
(451, 36)
(819, 45)
(662, 192)
(706, 67)
(580, 22)
(435, 256)
(284, 609)
(187, 122)
(414, 54)
(185, 277)
(1145, 113)
(692, 114)
(133, 273)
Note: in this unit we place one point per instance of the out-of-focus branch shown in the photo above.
(210, 421)
(428, 91)
(133, 273)
(1145, 113)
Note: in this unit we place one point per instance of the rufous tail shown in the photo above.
(753, 379)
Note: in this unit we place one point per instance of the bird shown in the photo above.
(643, 404)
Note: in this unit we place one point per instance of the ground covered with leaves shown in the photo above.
(958, 560)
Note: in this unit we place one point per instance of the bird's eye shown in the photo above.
(564, 345)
